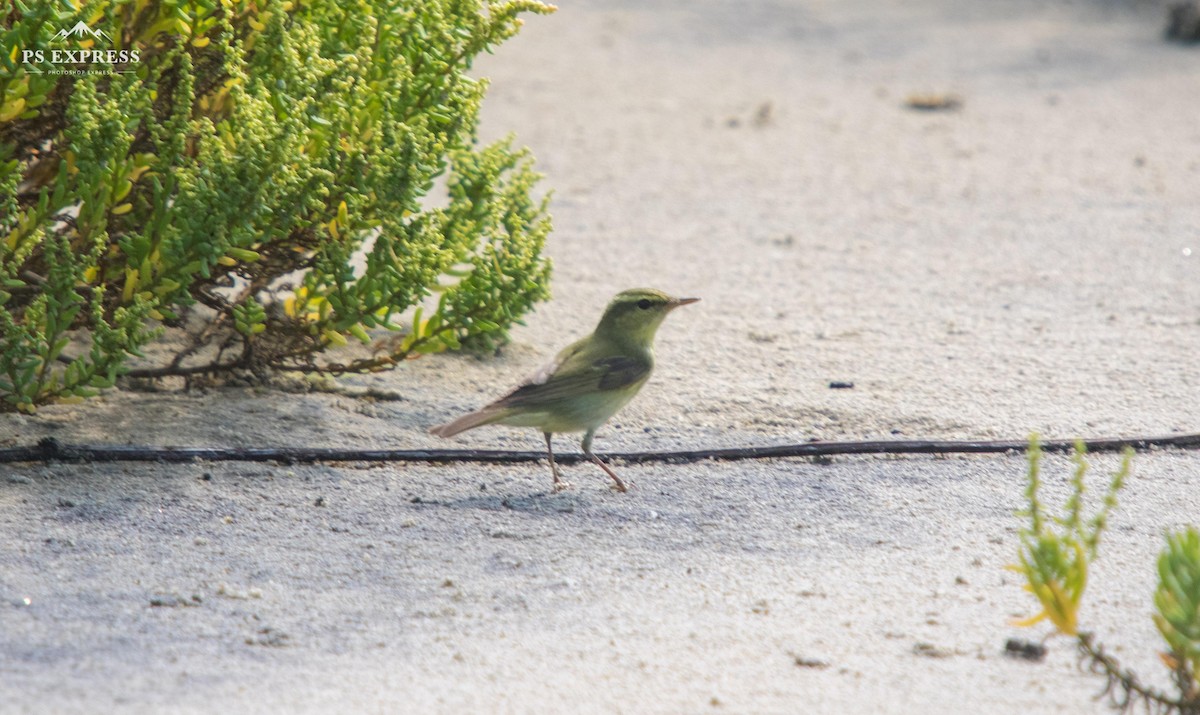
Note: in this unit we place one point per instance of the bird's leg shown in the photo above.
(587, 449)
(559, 484)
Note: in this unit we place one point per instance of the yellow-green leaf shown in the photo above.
(244, 254)
(123, 190)
(12, 108)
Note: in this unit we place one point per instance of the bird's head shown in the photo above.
(634, 315)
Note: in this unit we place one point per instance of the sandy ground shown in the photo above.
(1028, 262)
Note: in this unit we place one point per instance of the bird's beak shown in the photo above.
(682, 301)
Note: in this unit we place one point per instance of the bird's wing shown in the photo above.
(547, 371)
(570, 375)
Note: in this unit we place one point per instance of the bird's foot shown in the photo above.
(617, 483)
(561, 485)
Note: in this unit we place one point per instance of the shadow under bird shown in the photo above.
(586, 383)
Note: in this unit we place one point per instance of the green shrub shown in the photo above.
(1054, 558)
(258, 175)
(1056, 551)
(1177, 601)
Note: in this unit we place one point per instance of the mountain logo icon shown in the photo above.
(81, 31)
(83, 57)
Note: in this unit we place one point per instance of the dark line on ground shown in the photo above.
(51, 450)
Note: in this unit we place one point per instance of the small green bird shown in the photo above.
(587, 382)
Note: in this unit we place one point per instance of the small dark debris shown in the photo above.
(763, 115)
(1024, 650)
(1183, 22)
(841, 385)
(173, 601)
(934, 102)
(50, 447)
(803, 662)
(66, 503)
(416, 500)
(931, 651)
(206, 477)
(319, 501)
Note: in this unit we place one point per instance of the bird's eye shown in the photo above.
(644, 304)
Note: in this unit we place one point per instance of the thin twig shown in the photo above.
(1122, 687)
(50, 449)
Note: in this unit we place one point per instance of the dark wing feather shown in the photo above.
(571, 379)
(620, 371)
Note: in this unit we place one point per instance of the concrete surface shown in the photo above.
(1027, 262)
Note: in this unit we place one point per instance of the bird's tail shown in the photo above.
(469, 421)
